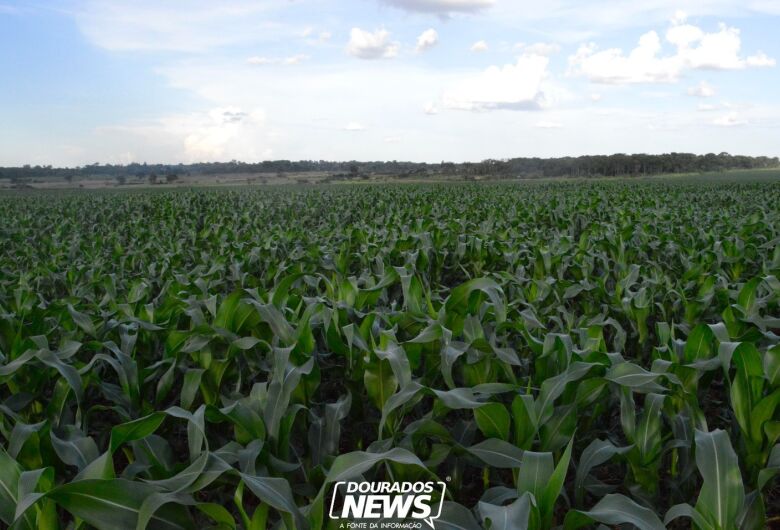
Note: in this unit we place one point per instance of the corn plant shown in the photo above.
(559, 354)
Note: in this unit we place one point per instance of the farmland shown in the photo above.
(560, 353)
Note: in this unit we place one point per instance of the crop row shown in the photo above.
(564, 355)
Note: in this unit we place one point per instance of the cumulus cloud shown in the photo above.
(514, 87)
(760, 60)
(702, 90)
(441, 7)
(367, 45)
(694, 49)
(479, 46)
(286, 61)
(354, 126)
(641, 65)
(209, 137)
(222, 133)
(427, 39)
(430, 108)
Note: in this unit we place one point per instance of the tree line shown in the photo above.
(582, 166)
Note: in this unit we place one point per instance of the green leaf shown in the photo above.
(772, 467)
(82, 321)
(457, 302)
(554, 485)
(111, 504)
(275, 492)
(351, 465)
(134, 430)
(772, 366)
(534, 474)
(747, 296)
(493, 420)
(497, 453)
(597, 452)
(686, 510)
(74, 449)
(722, 494)
(614, 509)
(245, 343)
(699, 344)
(455, 516)
(10, 473)
(635, 377)
(512, 517)
(380, 382)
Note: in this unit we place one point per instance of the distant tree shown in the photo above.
(152, 178)
(171, 178)
(354, 170)
(121, 180)
(69, 177)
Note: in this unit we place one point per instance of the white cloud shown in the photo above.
(641, 65)
(210, 139)
(679, 17)
(717, 51)
(539, 48)
(705, 107)
(222, 133)
(702, 90)
(514, 86)
(390, 96)
(574, 21)
(694, 49)
(354, 126)
(312, 36)
(431, 109)
(286, 61)
(427, 40)
(731, 119)
(441, 7)
(595, 98)
(760, 60)
(544, 124)
(479, 46)
(392, 139)
(367, 45)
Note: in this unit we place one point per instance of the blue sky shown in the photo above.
(84, 81)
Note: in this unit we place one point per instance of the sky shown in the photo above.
(86, 81)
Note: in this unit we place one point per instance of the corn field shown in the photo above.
(565, 355)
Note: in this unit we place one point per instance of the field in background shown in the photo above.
(328, 178)
(563, 352)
